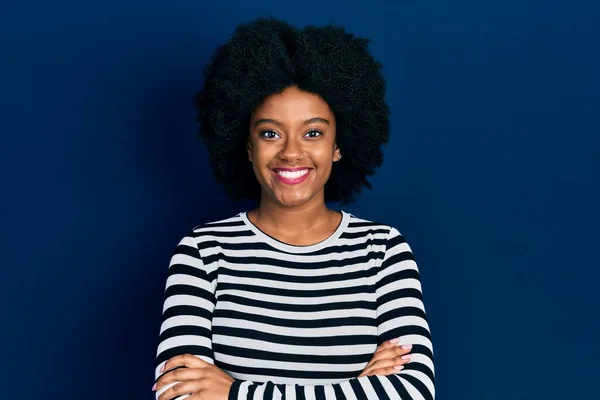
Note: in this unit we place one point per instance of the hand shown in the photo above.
(389, 358)
(202, 380)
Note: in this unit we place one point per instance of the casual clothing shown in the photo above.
(298, 322)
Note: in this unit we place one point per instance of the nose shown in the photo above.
(292, 151)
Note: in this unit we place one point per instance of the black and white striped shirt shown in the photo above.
(298, 322)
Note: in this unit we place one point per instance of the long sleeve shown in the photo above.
(400, 314)
(188, 307)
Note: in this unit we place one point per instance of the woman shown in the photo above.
(293, 299)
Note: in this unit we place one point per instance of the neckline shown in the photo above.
(290, 248)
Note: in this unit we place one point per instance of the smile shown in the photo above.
(292, 177)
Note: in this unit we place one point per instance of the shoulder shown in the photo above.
(215, 231)
(388, 236)
(202, 241)
(358, 224)
(229, 224)
(398, 259)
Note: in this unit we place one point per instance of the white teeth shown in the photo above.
(293, 174)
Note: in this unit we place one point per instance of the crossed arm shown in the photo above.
(400, 317)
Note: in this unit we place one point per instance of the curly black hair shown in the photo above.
(266, 56)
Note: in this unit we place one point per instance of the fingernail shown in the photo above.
(407, 346)
(406, 357)
(399, 367)
(154, 387)
(162, 369)
(394, 340)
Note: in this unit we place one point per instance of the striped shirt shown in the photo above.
(297, 322)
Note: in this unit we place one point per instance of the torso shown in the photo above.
(293, 314)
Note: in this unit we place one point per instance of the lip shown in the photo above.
(290, 181)
(290, 169)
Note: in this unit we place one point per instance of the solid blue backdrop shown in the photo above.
(492, 174)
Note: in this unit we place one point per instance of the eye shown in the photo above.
(269, 134)
(313, 134)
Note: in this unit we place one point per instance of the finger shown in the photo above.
(184, 360)
(388, 344)
(391, 353)
(180, 389)
(386, 371)
(389, 349)
(388, 354)
(382, 371)
(178, 375)
(388, 363)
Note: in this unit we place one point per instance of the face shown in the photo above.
(292, 146)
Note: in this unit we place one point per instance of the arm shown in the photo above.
(188, 307)
(400, 314)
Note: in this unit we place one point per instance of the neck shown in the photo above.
(292, 218)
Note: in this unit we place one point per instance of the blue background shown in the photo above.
(492, 174)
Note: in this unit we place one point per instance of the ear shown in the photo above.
(336, 154)
(249, 149)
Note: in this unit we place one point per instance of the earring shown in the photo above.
(339, 156)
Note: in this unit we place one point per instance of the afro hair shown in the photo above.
(266, 56)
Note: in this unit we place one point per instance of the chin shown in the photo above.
(291, 200)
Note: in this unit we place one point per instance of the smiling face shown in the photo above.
(292, 147)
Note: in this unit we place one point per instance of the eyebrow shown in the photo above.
(275, 122)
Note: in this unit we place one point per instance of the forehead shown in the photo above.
(293, 103)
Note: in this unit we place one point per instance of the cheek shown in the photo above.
(262, 158)
(325, 158)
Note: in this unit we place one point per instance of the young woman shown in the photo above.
(294, 300)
